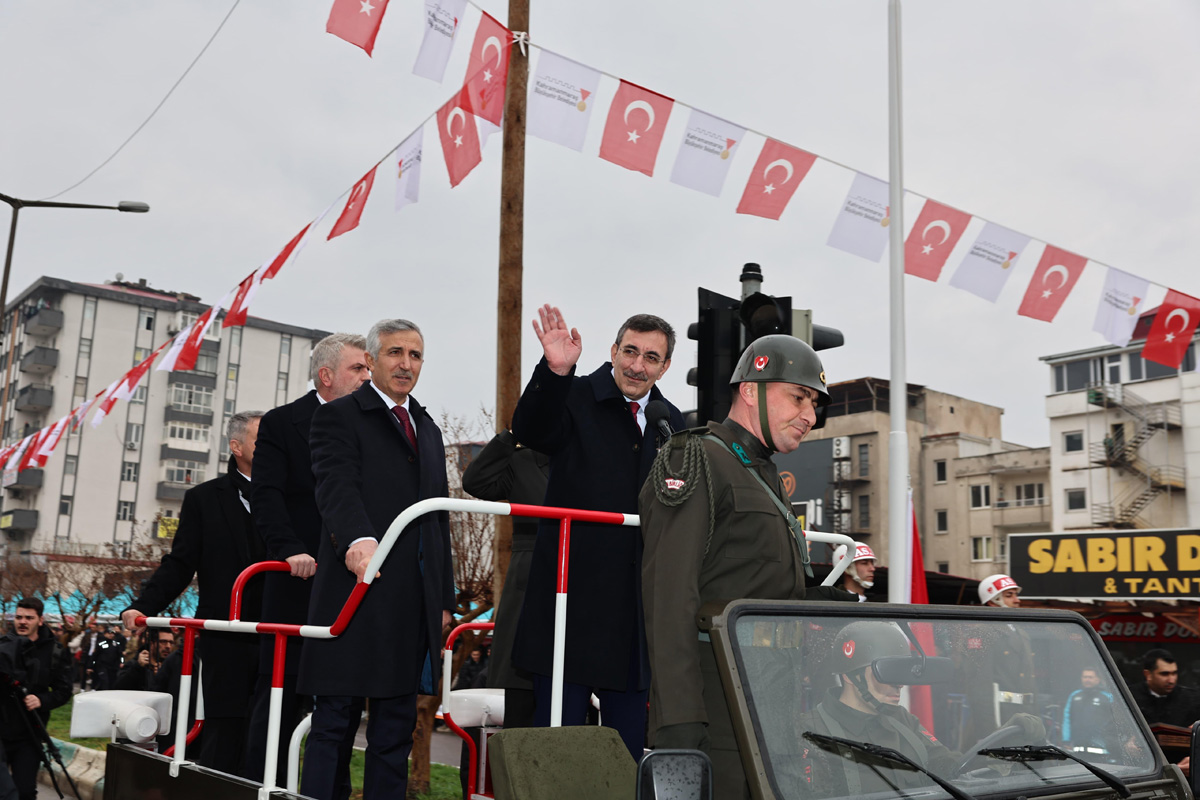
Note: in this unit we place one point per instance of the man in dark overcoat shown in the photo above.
(594, 430)
(376, 452)
(285, 514)
(215, 542)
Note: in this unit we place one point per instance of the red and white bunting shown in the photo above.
(352, 213)
(779, 170)
(105, 400)
(50, 442)
(988, 264)
(561, 100)
(442, 18)
(861, 225)
(240, 306)
(459, 137)
(295, 245)
(705, 153)
(933, 236)
(1056, 275)
(356, 21)
(1174, 324)
(408, 169)
(29, 457)
(1119, 306)
(487, 69)
(18, 452)
(634, 129)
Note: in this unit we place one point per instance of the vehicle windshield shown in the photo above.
(937, 690)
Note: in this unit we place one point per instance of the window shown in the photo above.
(196, 399)
(941, 521)
(125, 510)
(230, 406)
(70, 464)
(232, 375)
(285, 345)
(129, 471)
(206, 363)
(85, 348)
(89, 309)
(235, 337)
(981, 495)
(1002, 548)
(1031, 494)
(139, 395)
(939, 471)
(864, 511)
(186, 318)
(145, 320)
(133, 435)
(80, 388)
(1076, 375)
(281, 382)
(981, 548)
(864, 460)
(943, 567)
(1076, 499)
(179, 471)
(192, 432)
(140, 354)
(64, 504)
(1073, 442)
(1114, 369)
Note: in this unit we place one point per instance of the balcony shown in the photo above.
(46, 322)
(40, 361)
(35, 398)
(171, 491)
(25, 479)
(19, 520)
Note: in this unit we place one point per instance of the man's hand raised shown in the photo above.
(561, 345)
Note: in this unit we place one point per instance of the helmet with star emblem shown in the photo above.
(780, 358)
(861, 643)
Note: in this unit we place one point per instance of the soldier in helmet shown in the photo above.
(717, 526)
(1002, 663)
(860, 574)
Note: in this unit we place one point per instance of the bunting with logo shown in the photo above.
(1119, 306)
(779, 170)
(705, 153)
(560, 101)
(634, 129)
(356, 21)
(408, 169)
(1056, 275)
(441, 24)
(933, 236)
(352, 213)
(1174, 324)
(861, 225)
(989, 263)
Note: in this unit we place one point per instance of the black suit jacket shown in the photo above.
(285, 514)
(598, 461)
(366, 474)
(215, 542)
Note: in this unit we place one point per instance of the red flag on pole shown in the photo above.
(1052, 281)
(1174, 324)
(634, 129)
(356, 21)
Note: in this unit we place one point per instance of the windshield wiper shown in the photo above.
(1048, 752)
(886, 754)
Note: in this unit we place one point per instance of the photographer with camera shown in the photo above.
(141, 673)
(35, 677)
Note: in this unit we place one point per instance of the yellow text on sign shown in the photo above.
(1119, 554)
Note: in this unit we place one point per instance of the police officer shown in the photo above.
(1004, 681)
(860, 574)
(718, 526)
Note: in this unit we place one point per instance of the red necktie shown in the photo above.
(633, 409)
(406, 423)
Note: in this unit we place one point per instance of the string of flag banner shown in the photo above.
(562, 96)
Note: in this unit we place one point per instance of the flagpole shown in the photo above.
(899, 545)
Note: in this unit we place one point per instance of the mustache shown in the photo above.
(636, 376)
(402, 373)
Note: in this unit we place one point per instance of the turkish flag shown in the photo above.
(356, 21)
(937, 229)
(27, 460)
(1052, 281)
(774, 179)
(236, 315)
(460, 137)
(274, 267)
(1171, 333)
(348, 221)
(634, 129)
(487, 69)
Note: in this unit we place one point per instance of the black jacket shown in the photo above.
(215, 542)
(366, 475)
(1181, 707)
(42, 668)
(598, 461)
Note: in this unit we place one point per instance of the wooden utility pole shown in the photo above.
(512, 248)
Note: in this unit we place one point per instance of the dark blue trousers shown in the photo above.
(389, 742)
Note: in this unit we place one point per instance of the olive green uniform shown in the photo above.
(751, 553)
(1001, 659)
(822, 773)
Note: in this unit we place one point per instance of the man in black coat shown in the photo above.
(594, 430)
(1160, 697)
(215, 542)
(376, 452)
(107, 659)
(285, 514)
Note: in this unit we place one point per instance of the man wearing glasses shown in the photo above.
(594, 429)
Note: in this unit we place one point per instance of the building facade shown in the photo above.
(107, 488)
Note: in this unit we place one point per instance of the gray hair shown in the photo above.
(386, 326)
(328, 352)
(239, 422)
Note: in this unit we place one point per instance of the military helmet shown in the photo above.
(993, 586)
(780, 358)
(860, 643)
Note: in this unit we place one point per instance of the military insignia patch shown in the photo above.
(674, 484)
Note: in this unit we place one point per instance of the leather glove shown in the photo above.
(1032, 726)
(684, 736)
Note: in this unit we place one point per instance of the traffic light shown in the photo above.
(725, 327)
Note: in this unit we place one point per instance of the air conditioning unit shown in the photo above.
(131, 446)
(841, 471)
(841, 447)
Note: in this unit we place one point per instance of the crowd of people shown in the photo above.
(317, 482)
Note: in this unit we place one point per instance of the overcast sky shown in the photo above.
(1073, 121)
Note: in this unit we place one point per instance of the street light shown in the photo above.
(131, 206)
